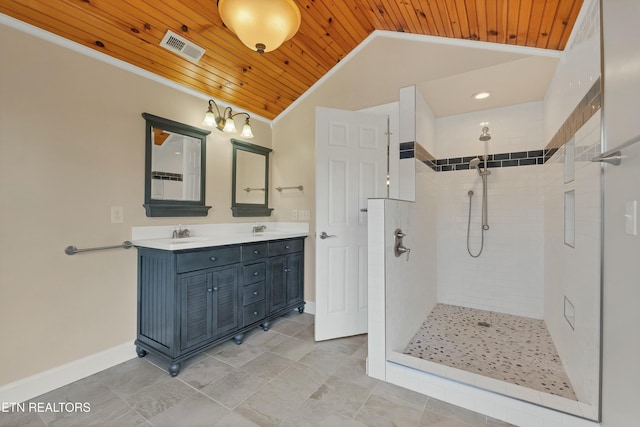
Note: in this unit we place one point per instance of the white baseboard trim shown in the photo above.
(43, 382)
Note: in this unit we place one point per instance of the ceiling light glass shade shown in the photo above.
(246, 130)
(262, 25)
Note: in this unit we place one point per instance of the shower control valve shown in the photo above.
(399, 248)
(402, 250)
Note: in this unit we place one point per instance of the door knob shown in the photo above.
(324, 235)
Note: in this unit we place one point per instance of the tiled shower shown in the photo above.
(526, 269)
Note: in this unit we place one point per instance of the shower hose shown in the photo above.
(470, 193)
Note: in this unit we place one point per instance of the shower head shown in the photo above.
(484, 136)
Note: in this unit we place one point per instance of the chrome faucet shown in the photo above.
(180, 232)
(259, 228)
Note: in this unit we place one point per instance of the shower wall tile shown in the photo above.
(572, 106)
(508, 275)
(409, 280)
(514, 128)
(577, 71)
(574, 272)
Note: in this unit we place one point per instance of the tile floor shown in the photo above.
(514, 349)
(281, 377)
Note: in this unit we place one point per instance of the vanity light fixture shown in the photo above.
(262, 25)
(481, 95)
(224, 121)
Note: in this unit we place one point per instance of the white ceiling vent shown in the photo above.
(181, 46)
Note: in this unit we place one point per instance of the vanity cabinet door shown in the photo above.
(196, 296)
(295, 279)
(226, 304)
(286, 281)
(209, 305)
(277, 283)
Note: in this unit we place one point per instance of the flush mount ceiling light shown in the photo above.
(262, 25)
(224, 121)
(481, 95)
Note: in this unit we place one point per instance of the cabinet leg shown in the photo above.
(265, 326)
(174, 369)
(301, 309)
(238, 338)
(141, 352)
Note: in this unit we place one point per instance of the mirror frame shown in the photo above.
(173, 208)
(249, 209)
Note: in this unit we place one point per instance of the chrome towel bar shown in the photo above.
(298, 187)
(71, 250)
(614, 156)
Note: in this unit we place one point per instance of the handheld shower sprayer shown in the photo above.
(475, 163)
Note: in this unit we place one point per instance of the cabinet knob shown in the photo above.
(255, 251)
(215, 288)
(255, 273)
(209, 290)
(287, 247)
(255, 293)
(213, 258)
(286, 270)
(255, 313)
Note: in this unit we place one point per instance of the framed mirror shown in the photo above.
(250, 180)
(175, 168)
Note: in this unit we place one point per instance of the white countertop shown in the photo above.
(206, 235)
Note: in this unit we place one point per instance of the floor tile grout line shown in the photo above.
(363, 404)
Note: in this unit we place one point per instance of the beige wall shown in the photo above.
(72, 146)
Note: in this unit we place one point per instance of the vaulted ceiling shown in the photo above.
(267, 84)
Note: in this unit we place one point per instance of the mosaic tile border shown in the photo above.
(166, 176)
(587, 107)
(501, 160)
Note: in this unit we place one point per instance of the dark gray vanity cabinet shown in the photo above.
(190, 300)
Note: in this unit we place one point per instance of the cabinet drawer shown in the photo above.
(254, 251)
(214, 257)
(254, 273)
(253, 313)
(281, 247)
(253, 293)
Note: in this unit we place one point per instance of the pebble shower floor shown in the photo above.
(514, 349)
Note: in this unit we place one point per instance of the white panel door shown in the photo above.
(351, 167)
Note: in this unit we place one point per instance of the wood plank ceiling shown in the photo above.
(265, 85)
